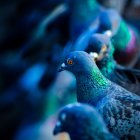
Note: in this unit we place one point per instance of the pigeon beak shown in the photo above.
(57, 128)
(62, 67)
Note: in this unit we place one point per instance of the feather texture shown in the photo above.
(119, 107)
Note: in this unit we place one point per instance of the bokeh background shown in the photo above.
(33, 35)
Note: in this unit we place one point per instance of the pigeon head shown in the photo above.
(87, 74)
(98, 42)
(80, 121)
(110, 22)
(68, 114)
(78, 62)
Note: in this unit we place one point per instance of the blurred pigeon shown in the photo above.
(127, 77)
(119, 107)
(89, 122)
(126, 49)
(108, 26)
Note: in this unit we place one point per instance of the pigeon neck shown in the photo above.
(90, 86)
(81, 136)
(83, 133)
(93, 77)
(107, 66)
(123, 32)
(74, 136)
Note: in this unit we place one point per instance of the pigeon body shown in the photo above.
(130, 54)
(90, 124)
(119, 107)
(126, 77)
(124, 37)
(128, 48)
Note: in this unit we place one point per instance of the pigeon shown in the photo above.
(90, 124)
(128, 48)
(116, 28)
(128, 78)
(119, 108)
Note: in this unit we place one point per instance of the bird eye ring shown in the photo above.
(70, 62)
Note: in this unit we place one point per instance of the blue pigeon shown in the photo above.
(119, 107)
(128, 47)
(90, 124)
(108, 26)
(127, 77)
(112, 25)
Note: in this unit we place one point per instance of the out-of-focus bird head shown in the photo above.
(77, 62)
(97, 41)
(101, 44)
(109, 21)
(81, 122)
(72, 116)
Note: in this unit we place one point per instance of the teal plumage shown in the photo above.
(124, 37)
(119, 107)
(104, 20)
(82, 122)
(126, 77)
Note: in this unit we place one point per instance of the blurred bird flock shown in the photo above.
(36, 37)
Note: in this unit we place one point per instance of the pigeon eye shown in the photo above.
(70, 62)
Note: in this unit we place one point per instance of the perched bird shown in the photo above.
(119, 107)
(113, 25)
(126, 77)
(126, 49)
(90, 124)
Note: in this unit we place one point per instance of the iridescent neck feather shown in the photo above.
(90, 86)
